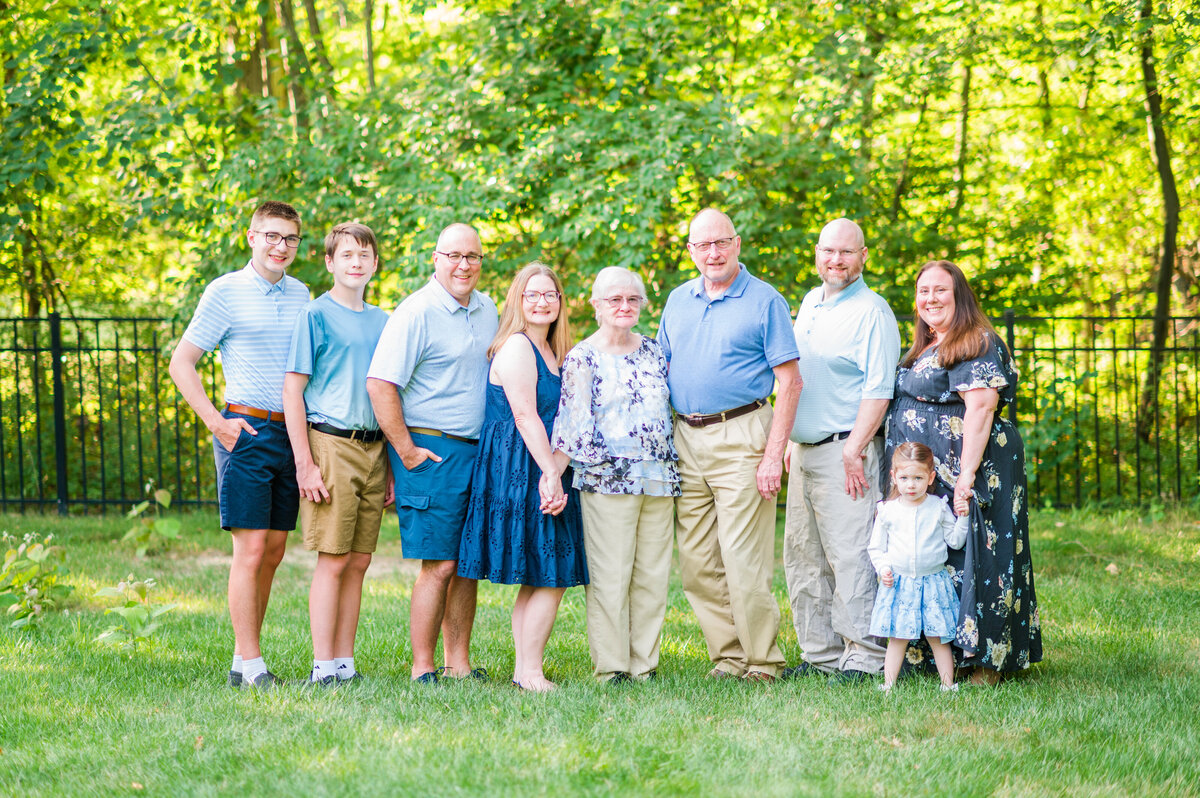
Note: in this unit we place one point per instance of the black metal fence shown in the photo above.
(90, 416)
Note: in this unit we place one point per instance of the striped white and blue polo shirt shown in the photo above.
(251, 321)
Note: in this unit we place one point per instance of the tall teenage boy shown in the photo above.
(341, 462)
(249, 315)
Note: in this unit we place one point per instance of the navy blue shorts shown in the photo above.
(431, 500)
(256, 482)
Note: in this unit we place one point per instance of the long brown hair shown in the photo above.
(968, 336)
(512, 320)
(910, 452)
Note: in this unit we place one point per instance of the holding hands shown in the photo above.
(554, 501)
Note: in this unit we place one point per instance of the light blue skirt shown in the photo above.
(914, 607)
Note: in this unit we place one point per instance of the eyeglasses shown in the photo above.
(533, 296)
(722, 244)
(829, 252)
(274, 238)
(615, 302)
(456, 258)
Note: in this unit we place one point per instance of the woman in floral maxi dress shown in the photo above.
(951, 392)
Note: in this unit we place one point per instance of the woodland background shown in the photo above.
(1048, 146)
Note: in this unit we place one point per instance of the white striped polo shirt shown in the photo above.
(250, 320)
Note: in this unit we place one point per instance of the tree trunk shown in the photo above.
(314, 30)
(960, 163)
(902, 181)
(1166, 263)
(369, 44)
(295, 62)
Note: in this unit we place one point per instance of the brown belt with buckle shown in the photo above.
(698, 420)
(437, 433)
(254, 412)
(364, 435)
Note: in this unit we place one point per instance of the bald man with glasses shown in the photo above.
(849, 347)
(427, 384)
(727, 337)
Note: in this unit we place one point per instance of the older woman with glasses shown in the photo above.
(614, 423)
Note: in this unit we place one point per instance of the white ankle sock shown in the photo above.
(253, 668)
(344, 667)
(321, 669)
(236, 667)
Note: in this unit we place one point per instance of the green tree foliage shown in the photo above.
(1010, 136)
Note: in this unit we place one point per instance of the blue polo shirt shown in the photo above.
(333, 345)
(849, 347)
(434, 351)
(250, 319)
(722, 351)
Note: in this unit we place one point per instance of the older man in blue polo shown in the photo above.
(727, 336)
(427, 384)
(849, 346)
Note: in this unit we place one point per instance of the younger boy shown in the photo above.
(341, 461)
(249, 314)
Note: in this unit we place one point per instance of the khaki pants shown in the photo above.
(628, 542)
(830, 579)
(726, 534)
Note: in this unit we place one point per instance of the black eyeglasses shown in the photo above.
(456, 258)
(274, 238)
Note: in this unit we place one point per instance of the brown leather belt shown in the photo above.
(698, 420)
(254, 412)
(437, 433)
(364, 435)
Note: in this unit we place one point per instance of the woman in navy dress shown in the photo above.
(523, 522)
(951, 392)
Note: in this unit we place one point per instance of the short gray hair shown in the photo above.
(610, 277)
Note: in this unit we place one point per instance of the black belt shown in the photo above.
(837, 436)
(364, 435)
(699, 420)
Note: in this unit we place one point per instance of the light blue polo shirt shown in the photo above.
(435, 352)
(251, 321)
(333, 345)
(722, 351)
(849, 347)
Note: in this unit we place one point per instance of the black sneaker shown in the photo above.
(324, 682)
(427, 678)
(849, 676)
(235, 679)
(264, 681)
(800, 671)
(617, 679)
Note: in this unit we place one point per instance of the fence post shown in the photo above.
(1010, 338)
(60, 411)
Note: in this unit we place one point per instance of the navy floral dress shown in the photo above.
(998, 624)
(506, 537)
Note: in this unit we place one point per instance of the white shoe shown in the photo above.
(953, 688)
(884, 688)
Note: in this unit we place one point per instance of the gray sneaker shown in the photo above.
(264, 681)
(235, 679)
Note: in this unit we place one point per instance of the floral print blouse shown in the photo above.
(614, 421)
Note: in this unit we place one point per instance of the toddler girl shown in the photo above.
(908, 549)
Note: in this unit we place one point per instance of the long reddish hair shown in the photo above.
(968, 336)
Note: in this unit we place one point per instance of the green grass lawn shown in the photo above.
(1113, 709)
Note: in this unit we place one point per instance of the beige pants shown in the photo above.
(830, 578)
(726, 533)
(628, 543)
